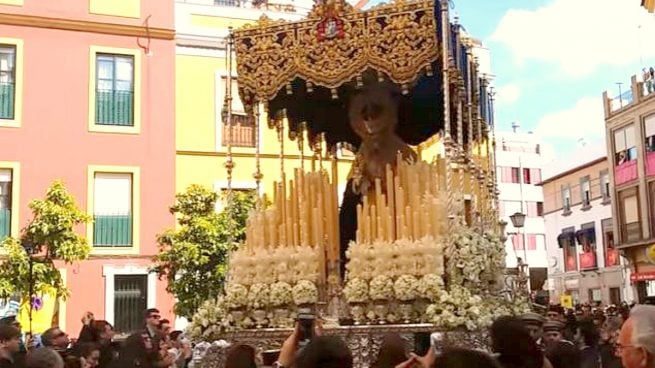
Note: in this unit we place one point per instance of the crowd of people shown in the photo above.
(154, 346)
(614, 337)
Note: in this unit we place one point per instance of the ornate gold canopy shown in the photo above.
(336, 44)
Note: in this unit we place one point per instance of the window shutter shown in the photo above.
(649, 124)
(112, 194)
(630, 140)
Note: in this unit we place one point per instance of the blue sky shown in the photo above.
(554, 58)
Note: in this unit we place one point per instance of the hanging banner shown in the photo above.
(566, 301)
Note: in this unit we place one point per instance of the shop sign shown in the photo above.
(650, 253)
(642, 276)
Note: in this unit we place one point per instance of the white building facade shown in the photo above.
(582, 258)
(519, 162)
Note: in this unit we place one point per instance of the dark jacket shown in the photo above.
(139, 350)
(590, 358)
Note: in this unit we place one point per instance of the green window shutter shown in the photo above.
(7, 92)
(114, 97)
(5, 223)
(112, 231)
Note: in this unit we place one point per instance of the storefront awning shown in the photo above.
(588, 235)
(642, 276)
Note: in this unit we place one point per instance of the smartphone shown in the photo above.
(306, 320)
(269, 357)
(437, 342)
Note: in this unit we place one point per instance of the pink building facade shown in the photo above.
(87, 96)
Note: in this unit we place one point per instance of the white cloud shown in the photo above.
(508, 94)
(585, 120)
(579, 35)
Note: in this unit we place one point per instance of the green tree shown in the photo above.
(193, 257)
(49, 236)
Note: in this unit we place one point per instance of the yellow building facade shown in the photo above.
(201, 78)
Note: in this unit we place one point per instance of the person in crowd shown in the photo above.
(325, 352)
(57, 340)
(555, 313)
(9, 345)
(452, 358)
(587, 338)
(89, 354)
(563, 354)
(636, 342)
(44, 357)
(181, 349)
(534, 324)
(393, 351)
(19, 356)
(608, 337)
(104, 333)
(599, 318)
(513, 343)
(165, 327)
(142, 348)
(241, 356)
(553, 332)
(570, 326)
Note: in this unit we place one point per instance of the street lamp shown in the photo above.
(518, 220)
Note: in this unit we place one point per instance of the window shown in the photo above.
(566, 198)
(625, 147)
(629, 213)
(534, 209)
(5, 202)
(649, 128)
(517, 241)
(615, 295)
(605, 185)
(7, 81)
(595, 295)
(130, 300)
(611, 253)
(115, 90)
(509, 174)
(112, 210)
(244, 128)
(585, 191)
(566, 241)
(531, 176)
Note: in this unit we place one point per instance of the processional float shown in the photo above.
(415, 242)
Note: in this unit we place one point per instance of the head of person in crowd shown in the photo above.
(103, 330)
(9, 340)
(465, 358)
(534, 324)
(325, 352)
(55, 338)
(636, 342)
(44, 358)
(152, 317)
(599, 318)
(511, 340)
(586, 310)
(555, 313)
(165, 327)
(89, 354)
(587, 334)
(241, 356)
(393, 351)
(610, 331)
(563, 354)
(553, 332)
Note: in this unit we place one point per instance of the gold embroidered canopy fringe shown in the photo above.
(335, 45)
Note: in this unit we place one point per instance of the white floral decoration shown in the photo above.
(356, 291)
(405, 288)
(258, 296)
(236, 296)
(305, 292)
(431, 286)
(281, 294)
(381, 288)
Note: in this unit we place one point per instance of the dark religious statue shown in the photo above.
(373, 115)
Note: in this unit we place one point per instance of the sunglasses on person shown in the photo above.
(155, 316)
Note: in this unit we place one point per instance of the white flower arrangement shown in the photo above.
(281, 294)
(356, 291)
(258, 296)
(431, 287)
(381, 288)
(305, 292)
(209, 321)
(405, 288)
(236, 296)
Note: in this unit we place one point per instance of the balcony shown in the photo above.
(5, 223)
(243, 132)
(112, 231)
(625, 172)
(622, 100)
(6, 100)
(631, 232)
(114, 107)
